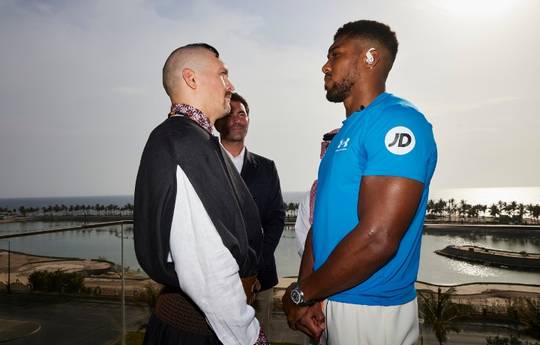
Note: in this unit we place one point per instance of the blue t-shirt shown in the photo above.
(388, 138)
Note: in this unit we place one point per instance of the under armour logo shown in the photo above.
(400, 140)
(343, 143)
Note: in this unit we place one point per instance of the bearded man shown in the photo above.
(363, 250)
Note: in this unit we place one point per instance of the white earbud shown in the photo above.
(369, 57)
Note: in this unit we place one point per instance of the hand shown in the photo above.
(293, 312)
(313, 322)
(257, 287)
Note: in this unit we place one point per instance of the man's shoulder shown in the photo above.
(176, 124)
(178, 136)
(176, 129)
(398, 110)
(259, 159)
(397, 104)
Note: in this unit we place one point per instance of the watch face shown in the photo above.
(295, 296)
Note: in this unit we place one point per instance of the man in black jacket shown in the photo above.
(196, 226)
(261, 178)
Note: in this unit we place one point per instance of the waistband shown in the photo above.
(178, 310)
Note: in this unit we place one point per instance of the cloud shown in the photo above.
(478, 104)
(128, 90)
(81, 85)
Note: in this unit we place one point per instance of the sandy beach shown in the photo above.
(100, 277)
(22, 265)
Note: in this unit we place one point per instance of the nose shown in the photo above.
(326, 68)
(235, 118)
(230, 86)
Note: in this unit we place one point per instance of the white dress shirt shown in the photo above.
(206, 269)
(238, 161)
(302, 224)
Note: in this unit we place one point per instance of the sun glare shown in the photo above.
(476, 8)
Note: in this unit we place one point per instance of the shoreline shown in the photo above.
(428, 222)
(24, 264)
(519, 261)
(481, 227)
(21, 262)
(429, 225)
(82, 219)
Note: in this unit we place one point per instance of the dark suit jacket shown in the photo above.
(262, 180)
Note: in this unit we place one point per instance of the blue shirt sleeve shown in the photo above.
(399, 142)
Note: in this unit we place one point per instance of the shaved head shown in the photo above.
(195, 75)
(190, 56)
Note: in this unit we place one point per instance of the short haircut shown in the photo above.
(236, 97)
(371, 30)
(168, 68)
(201, 45)
(329, 136)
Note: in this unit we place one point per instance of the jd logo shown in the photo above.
(343, 144)
(404, 140)
(399, 140)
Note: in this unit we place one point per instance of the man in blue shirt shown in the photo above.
(363, 250)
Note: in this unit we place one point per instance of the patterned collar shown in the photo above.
(193, 114)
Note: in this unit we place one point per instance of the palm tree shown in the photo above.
(520, 212)
(482, 209)
(534, 211)
(451, 208)
(463, 209)
(510, 208)
(129, 208)
(473, 211)
(502, 206)
(438, 312)
(430, 208)
(440, 207)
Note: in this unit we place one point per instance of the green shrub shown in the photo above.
(56, 281)
(513, 340)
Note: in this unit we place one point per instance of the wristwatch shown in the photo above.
(297, 296)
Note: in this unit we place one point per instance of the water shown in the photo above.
(97, 243)
(442, 270)
(486, 196)
(105, 243)
(21, 227)
(439, 269)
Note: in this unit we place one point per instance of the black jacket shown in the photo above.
(262, 180)
(179, 141)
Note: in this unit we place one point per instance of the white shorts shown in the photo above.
(349, 324)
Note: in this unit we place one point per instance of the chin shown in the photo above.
(224, 112)
(334, 98)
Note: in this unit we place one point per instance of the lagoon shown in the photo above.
(105, 243)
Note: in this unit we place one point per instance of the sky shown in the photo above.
(80, 85)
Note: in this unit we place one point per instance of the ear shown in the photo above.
(372, 57)
(189, 77)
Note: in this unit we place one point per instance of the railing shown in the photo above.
(12, 236)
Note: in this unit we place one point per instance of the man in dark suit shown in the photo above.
(261, 177)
